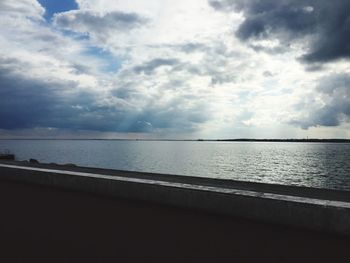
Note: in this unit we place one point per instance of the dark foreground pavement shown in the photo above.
(44, 224)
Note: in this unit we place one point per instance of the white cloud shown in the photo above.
(155, 66)
(99, 26)
(21, 8)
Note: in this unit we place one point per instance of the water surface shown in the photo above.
(322, 165)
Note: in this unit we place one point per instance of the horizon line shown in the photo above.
(199, 139)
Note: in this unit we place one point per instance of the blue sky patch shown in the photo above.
(75, 35)
(110, 63)
(57, 6)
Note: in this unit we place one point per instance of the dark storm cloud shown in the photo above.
(336, 92)
(25, 103)
(28, 103)
(335, 108)
(326, 22)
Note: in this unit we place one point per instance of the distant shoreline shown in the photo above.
(288, 140)
(191, 140)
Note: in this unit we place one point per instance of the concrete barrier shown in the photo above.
(308, 211)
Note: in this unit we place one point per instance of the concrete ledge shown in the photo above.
(330, 215)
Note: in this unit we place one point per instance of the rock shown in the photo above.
(33, 161)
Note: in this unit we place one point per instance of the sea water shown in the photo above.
(321, 165)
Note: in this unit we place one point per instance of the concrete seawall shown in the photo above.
(315, 209)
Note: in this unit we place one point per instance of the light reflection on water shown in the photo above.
(323, 165)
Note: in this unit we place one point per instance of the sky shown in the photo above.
(182, 69)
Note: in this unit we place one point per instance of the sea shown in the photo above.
(320, 165)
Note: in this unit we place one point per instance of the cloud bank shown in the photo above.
(332, 108)
(208, 69)
(97, 25)
(325, 24)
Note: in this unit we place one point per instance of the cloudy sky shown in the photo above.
(175, 69)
